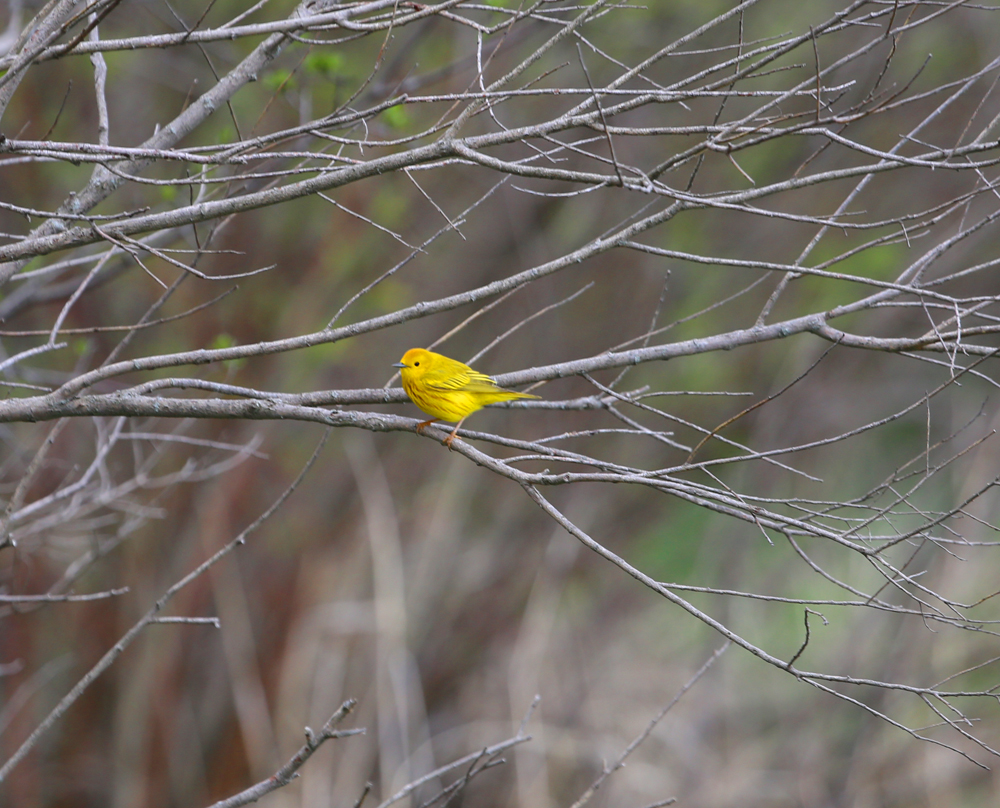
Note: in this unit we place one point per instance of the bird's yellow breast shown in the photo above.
(451, 405)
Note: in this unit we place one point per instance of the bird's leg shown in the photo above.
(422, 424)
(447, 441)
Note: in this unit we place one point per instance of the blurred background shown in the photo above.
(428, 588)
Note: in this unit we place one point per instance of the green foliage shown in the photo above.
(224, 340)
(397, 117)
(671, 549)
(878, 263)
(390, 205)
(280, 79)
(324, 63)
(225, 134)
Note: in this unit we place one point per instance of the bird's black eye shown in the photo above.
(416, 364)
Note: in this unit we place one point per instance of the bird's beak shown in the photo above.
(400, 365)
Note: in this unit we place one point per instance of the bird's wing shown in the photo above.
(459, 378)
(480, 383)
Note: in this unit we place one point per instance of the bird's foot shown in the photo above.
(447, 441)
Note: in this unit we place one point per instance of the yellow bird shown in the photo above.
(446, 389)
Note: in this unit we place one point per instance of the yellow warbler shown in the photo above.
(447, 389)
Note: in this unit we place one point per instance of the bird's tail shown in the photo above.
(512, 395)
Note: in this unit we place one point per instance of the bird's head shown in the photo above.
(415, 359)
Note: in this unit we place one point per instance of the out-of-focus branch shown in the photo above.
(288, 772)
(149, 618)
